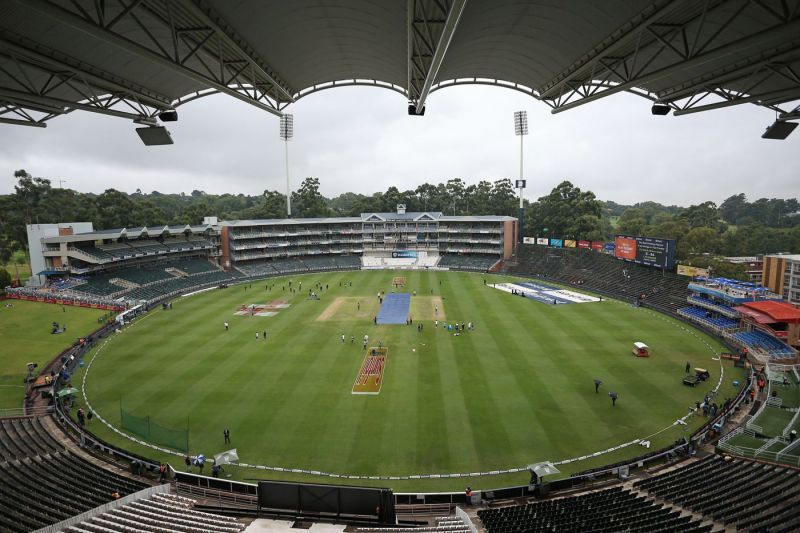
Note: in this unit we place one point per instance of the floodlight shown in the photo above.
(660, 109)
(287, 126)
(168, 116)
(520, 122)
(154, 135)
(779, 130)
(412, 110)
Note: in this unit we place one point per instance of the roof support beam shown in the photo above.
(588, 62)
(732, 48)
(62, 106)
(20, 122)
(780, 95)
(203, 12)
(102, 33)
(105, 82)
(418, 62)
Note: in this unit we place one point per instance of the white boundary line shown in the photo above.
(665, 318)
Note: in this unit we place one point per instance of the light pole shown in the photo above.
(520, 130)
(287, 132)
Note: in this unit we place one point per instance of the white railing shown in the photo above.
(97, 511)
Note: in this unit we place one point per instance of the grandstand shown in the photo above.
(33, 463)
(604, 274)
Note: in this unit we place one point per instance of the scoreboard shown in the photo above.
(646, 251)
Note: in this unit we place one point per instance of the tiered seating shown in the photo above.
(476, 262)
(608, 510)
(604, 273)
(178, 245)
(118, 250)
(757, 339)
(93, 251)
(41, 483)
(148, 247)
(710, 304)
(161, 512)
(443, 524)
(740, 492)
(319, 263)
(347, 262)
(177, 285)
(699, 314)
(288, 266)
(193, 266)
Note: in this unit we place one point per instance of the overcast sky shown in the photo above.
(361, 139)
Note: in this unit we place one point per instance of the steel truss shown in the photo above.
(431, 25)
(184, 36)
(42, 83)
(672, 36)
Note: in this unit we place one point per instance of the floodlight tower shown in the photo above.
(520, 130)
(287, 132)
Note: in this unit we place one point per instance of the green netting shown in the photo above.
(170, 437)
(154, 432)
(135, 424)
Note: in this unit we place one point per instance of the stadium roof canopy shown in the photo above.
(138, 58)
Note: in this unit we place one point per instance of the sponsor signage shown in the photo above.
(584, 244)
(528, 240)
(558, 243)
(544, 241)
(686, 270)
(597, 246)
(569, 243)
(407, 254)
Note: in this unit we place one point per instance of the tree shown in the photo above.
(698, 241)
(702, 215)
(631, 222)
(733, 208)
(308, 202)
(5, 278)
(566, 212)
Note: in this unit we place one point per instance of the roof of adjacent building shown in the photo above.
(131, 233)
(777, 311)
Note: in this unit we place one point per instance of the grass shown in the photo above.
(25, 337)
(516, 390)
(773, 420)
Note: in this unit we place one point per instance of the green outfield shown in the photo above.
(516, 390)
(25, 337)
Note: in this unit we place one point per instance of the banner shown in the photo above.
(569, 243)
(544, 241)
(558, 243)
(597, 246)
(584, 244)
(625, 248)
(686, 270)
(528, 240)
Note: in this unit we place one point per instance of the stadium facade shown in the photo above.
(250, 247)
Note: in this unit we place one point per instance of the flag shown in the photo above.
(226, 457)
